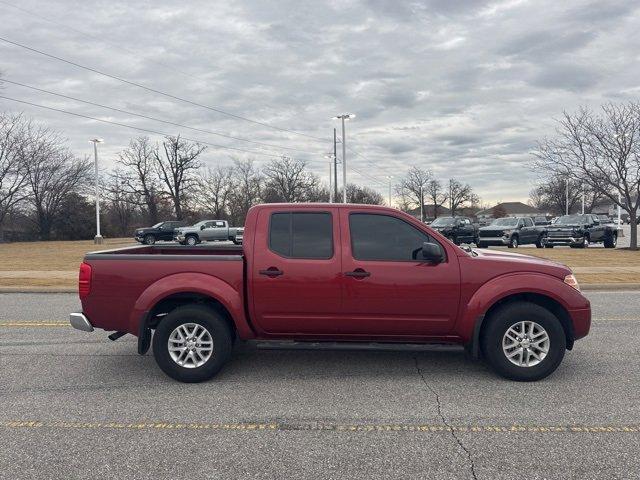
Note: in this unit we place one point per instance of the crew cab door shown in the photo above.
(596, 229)
(467, 232)
(295, 276)
(528, 232)
(387, 290)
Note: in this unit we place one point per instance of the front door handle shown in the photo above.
(271, 272)
(358, 273)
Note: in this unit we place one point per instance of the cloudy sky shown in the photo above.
(464, 88)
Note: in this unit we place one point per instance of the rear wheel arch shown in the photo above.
(169, 303)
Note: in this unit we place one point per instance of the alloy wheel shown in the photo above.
(190, 345)
(526, 343)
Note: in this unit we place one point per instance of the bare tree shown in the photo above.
(216, 187)
(287, 180)
(551, 195)
(53, 173)
(437, 195)
(603, 151)
(121, 205)
(177, 162)
(412, 189)
(247, 189)
(139, 176)
(13, 172)
(461, 195)
(362, 195)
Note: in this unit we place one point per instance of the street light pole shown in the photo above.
(566, 206)
(331, 158)
(583, 198)
(98, 238)
(343, 117)
(335, 167)
(389, 177)
(421, 205)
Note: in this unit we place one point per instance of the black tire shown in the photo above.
(191, 240)
(540, 242)
(213, 323)
(513, 242)
(611, 241)
(585, 242)
(481, 245)
(149, 239)
(505, 317)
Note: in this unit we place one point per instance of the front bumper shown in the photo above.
(494, 240)
(564, 240)
(139, 238)
(179, 238)
(79, 321)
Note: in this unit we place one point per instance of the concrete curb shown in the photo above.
(27, 289)
(609, 287)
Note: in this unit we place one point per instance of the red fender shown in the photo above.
(192, 282)
(500, 287)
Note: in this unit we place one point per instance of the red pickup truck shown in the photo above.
(338, 273)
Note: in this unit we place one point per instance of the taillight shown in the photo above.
(84, 280)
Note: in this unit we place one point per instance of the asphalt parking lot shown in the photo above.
(75, 405)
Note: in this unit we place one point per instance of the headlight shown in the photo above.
(571, 281)
(506, 233)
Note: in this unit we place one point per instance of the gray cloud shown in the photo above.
(462, 87)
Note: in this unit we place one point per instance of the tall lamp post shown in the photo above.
(98, 238)
(331, 158)
(389, 177)
(343, 117)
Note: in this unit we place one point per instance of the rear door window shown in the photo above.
(304, 235)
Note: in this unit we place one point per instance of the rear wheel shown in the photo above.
(149, 239)
(192, 343)
(523, 341)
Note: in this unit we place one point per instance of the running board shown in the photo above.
(367, 346)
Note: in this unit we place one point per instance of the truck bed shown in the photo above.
(121, 277)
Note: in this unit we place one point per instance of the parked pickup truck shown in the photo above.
(512, 231)
(207, 231)
(579, 231)
(160, 231)
(457, 229)
(333, 273)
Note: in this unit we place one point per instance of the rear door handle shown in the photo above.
(271, 272)
(358, 273)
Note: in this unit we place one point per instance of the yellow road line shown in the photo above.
(33, 324)
(18, 424)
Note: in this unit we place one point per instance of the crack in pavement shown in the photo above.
(472, 466)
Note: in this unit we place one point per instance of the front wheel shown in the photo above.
(611, 241)
(513, 243)
(523, 341)
(192, 240)
(192, 343)
(540, 242)
(149, 239)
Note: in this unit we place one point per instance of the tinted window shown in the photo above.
(301, 235)
(381, 237)
(528, 222)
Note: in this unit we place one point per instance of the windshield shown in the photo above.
(157, 225)
(571, 219)
(443, 222)
(505, 222)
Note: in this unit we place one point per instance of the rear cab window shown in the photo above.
(302, 235)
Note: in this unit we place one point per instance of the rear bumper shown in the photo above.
(79, 321)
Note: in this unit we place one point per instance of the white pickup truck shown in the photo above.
(208, 231)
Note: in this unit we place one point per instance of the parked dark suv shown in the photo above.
(579, 231)
(160, 231)
(457, 229)
(512, 231)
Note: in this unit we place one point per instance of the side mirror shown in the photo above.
(432, 252)
(201, 227)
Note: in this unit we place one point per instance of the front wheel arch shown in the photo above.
(544, 301)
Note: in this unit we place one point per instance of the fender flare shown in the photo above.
(191, 282)
(500, 288)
